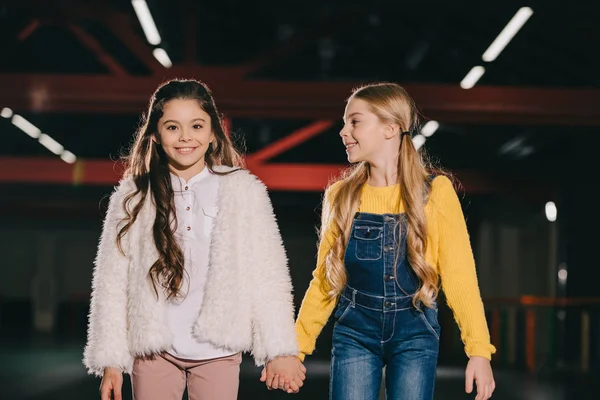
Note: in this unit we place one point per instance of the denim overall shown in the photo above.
(376, 324)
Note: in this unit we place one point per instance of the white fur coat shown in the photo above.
(248, 294)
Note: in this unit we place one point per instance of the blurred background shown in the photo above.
(509, 91)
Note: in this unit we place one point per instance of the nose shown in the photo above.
(184, 137)
(344, 132)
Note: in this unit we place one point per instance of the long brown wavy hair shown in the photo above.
(391, 103)
(148, 166)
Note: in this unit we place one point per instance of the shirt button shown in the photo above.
(188, 228)
(388, 248)
(389, 278)
(388, 304)
(187, 209)
(388, 218)
(186, 188)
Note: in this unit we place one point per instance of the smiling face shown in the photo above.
(364, 135)
(184, 133)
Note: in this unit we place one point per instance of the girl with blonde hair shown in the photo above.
(392, 232)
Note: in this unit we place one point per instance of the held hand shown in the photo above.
(112, 382)
(480, 371)
(287, 373)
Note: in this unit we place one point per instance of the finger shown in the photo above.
(282, 380)
(468, 381)
(104, 393)
(302, 367)
(263, 376)
(294, 388)
(270, 379)
(286, 386)
(117, 392)
(480, 391)
(302, 375)
(299, 382)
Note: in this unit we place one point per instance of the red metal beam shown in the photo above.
(31, 27)
(277, 176)
(306, 100)
(292, 140)
(95, 47)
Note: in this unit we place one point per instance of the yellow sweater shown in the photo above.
(448, 249)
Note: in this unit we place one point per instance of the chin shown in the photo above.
(353, 160)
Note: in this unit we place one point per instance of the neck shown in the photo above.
(189, 172)
(384, 173)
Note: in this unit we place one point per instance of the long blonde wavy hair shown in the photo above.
(391, 103)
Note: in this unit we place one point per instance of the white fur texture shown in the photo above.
(248, 295)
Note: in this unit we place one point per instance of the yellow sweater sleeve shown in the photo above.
(316, 306)
(457, 270)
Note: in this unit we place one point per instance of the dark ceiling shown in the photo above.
(423, 42)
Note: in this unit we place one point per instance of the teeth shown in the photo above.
(350, 145)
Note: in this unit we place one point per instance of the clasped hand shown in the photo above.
(286, 373)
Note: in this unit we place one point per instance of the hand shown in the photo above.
(112, 382)
(287, 373)
(480, 370)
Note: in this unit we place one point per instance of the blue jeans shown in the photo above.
(371, 332)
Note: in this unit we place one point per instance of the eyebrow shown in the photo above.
(351, 115)
(176, 122)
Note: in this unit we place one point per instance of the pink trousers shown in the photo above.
(164, 377)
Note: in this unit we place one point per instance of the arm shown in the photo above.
(272, 303)
(457, 270)
(317, 306)
(107, 329)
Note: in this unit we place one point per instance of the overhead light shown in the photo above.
(509, 31)
(419, 141)
(429, 128)
(562, 275)
(551, 211)
(472, 77)
(51, 144)
(148, 26)
(68, 157)
(6, 112)
(26, 126)
(162, 57)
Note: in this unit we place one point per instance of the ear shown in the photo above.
(391, 130)
(155, 138)
(212, 138)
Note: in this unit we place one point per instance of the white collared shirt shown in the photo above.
(196, 210)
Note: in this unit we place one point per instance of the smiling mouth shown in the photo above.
(350, 145)
(185, 150)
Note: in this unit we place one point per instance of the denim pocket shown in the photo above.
(429, 317)
(368, 242)
(344, 305)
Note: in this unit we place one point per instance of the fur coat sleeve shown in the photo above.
(107, 343)
(274, 334)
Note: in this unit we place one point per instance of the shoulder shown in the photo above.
(125, 187)
(240, 183)
(443, 194)
(441, 184)
(239, 180)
